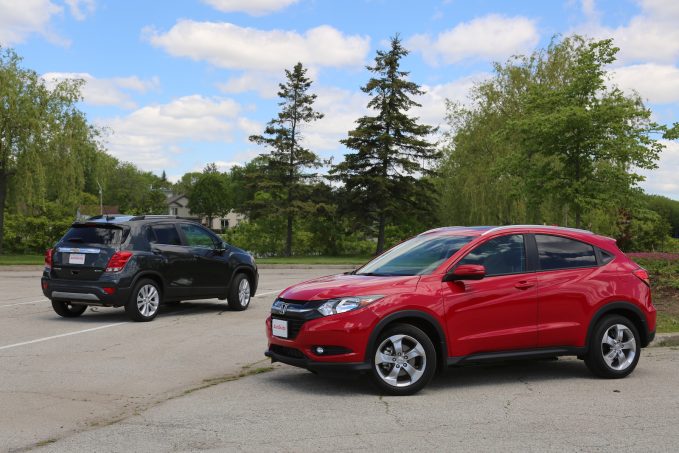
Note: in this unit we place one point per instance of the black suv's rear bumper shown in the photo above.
(88, 292)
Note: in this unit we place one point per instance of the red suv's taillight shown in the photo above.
(118, 261)
(642, 275)
(48, 258)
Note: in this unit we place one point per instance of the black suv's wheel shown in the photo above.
(144, 301)
(403, 360)
(239, 293)
(67, 309)
(613, 348)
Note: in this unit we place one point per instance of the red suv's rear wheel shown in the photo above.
(613, 348)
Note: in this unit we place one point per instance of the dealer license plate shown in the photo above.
(279, 328)
(76, 258)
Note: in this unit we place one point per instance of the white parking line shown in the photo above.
(77, 332)
(24, 303)
(53, 337)
(269, 292)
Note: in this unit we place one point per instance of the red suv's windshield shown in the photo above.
(417, 256)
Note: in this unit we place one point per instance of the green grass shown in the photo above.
(667, 323)
(348, 260)
(7, 260)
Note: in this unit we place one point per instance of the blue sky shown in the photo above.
(178, 84)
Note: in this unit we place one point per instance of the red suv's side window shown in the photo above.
(556, 252)
(500, 256)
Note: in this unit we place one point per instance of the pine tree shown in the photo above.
(385, 178)
(287, 160)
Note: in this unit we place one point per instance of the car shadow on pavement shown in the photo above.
(496, 374)
(98, 315)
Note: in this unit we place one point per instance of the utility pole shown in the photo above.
(101, 199)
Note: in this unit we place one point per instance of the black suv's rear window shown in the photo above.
(164, 234)
(89, 234)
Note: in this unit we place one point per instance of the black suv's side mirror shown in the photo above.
(465, 272)
(221, 248)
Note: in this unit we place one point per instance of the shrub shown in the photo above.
(32, 234)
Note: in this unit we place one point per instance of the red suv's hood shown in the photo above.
(341, 285)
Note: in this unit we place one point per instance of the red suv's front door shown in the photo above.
(498, 312)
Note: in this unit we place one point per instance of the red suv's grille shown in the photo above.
(294, 325)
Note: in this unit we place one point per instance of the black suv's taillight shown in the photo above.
(118, 261)
(48, 258)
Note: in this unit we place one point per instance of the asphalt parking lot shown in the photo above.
(196, 379)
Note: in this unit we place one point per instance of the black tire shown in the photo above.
(67, 309)
(402, 381)
(145, 301)
(240, 286)
(601, 349)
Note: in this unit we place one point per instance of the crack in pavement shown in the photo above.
(250, 369)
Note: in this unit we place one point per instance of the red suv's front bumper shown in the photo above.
(343, 338)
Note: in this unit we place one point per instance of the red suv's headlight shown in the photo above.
(345, 304)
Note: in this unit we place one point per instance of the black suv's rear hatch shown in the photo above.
(84, 251)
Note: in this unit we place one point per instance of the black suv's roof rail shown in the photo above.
(154, 216)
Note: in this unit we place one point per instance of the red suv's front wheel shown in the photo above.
(403, 360)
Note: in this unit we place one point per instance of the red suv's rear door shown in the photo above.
(567, 289)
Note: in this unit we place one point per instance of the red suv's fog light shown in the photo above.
(109, 291)
(118, 261)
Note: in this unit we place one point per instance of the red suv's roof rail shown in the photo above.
(543, 227)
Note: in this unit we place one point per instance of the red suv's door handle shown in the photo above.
(524, 284)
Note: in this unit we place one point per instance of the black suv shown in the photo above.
(140, 262)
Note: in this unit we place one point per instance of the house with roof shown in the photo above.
(179, 205)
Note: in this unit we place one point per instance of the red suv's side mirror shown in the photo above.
(466, 272)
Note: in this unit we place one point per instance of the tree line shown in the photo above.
(546, 139)
(52, 161)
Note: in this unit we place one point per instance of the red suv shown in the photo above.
(470, 294)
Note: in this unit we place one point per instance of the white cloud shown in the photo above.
(650, 36)
(265, 84)
(654, 83)
(20, 19)
(230, 46)
(663, 181)
(252, 7)
(433, 110)
(490, 37)
(80, 9)
(343, 107)
(106, 91)
(151, 135)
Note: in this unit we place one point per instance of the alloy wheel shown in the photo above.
(400, 360)
(244, 292)
(148, 300)
(618, 347)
